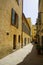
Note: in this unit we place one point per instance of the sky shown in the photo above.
(30, 9)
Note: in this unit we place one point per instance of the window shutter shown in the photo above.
(12, 16)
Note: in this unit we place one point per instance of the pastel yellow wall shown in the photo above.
(27, 38)
(29, 22)
(33, 31)
(6, 41)
(30, 25)
(25, 35)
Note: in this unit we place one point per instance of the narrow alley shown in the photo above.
(21, 32)
(33, 58)
(24, 56)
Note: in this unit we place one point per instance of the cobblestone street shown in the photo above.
(25, 56)
(33, 58)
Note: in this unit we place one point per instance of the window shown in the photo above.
(19, 39)
(39, 2)
(25, 28)
(17, 20)
(24, 41)
(14, 18)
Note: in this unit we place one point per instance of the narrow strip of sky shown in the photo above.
(30, 9)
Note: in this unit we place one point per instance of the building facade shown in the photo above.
(34, 33)
(10, 25)
(26, 30)
(39, 25)
(30, 28)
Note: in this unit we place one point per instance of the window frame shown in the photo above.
(19, 38)
(14, 18)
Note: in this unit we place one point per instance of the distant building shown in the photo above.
(34, 33)
(26, 30)
(30, 27)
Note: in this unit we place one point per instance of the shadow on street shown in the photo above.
(33, 58)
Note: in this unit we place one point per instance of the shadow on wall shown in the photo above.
(32, 59)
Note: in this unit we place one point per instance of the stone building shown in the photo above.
(15, 28)
(26, 30)
(30, 28)
(10, 25)
(34, 33)
(39, 25)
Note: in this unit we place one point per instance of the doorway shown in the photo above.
(24, 41)
(42, 40)
(14, 42)
(42, 44)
